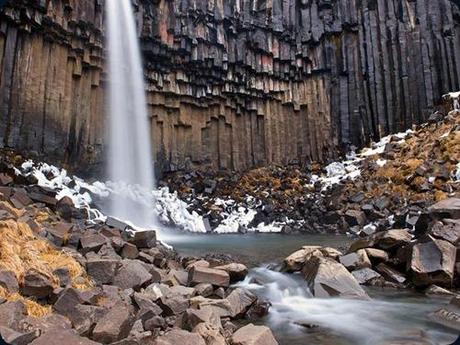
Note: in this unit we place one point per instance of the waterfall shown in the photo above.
(130, 155)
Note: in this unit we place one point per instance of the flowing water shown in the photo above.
(130, 156)
(298, 319)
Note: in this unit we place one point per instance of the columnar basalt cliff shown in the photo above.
(231, 83)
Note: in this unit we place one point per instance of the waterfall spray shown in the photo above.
(130, 155)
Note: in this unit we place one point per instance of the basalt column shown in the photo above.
(231, 84)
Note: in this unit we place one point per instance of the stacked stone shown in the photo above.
(231, 84)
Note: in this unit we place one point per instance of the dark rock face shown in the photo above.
(232, 84)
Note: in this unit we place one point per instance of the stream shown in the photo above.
(391, 317)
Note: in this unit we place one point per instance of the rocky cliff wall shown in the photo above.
(231, 83)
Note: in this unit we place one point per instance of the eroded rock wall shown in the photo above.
(231, 83)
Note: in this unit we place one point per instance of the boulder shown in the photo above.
(329, 252)
(212, 276)
(173, 305)
(236, 303)
(328, 278)
(176, 277)
(448, 208)
(8, 281)
(366, 276)
(210, 334)
(12, 337)
(204, 290)
(296, 260)
(129, 251)
(115, 325)
(147, 308)
(36, 285)
(240, 300)
(180, 336)
(63, 274)
(377, 255)
(447, 230)
(391, 274)
(198, 263)
(84, 317)
(356, 260)
(154, 323)
(132, 275)
(194, 317)
(433, 262)
(60, 336)
(258, 309)
(59, 233)
(355, 218)
(253, 335)
(434, 290)
(92, 243)
(67, 301)
(11, 313)
(102, 271)
(384, 240)
(143, 239)
(237, 272)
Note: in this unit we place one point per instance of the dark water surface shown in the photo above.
(251, 249)
(391, 317)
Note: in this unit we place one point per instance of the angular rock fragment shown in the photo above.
(296, 260)
(391, 274)
(102, 271)
(60, 337)
(92, 243)
(115, 325)
(356, 260)
(253, 335)
(448, 208)
(212, 276)
(236, 271)
(179, 336)
(328, 278)
(131, 275)
(143, 239)
(36, 285)
(433, 262)
(366, 276)
(9, 281)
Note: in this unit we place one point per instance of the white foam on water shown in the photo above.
(361, 322)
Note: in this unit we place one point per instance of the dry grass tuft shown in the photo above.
(21, 251)
(33, 308)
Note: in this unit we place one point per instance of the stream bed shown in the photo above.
(391, 317)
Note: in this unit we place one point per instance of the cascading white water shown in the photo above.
(130, 154)
(298, 318)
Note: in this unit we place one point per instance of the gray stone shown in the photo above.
(366, 276)
(115, 325)
(253, 335)
(328, 278)
(433, 262)
(179, 336)
(132, 274)
(448, 208)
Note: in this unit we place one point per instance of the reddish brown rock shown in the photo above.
(212, 276)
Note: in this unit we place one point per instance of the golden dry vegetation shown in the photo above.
(21, 250)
